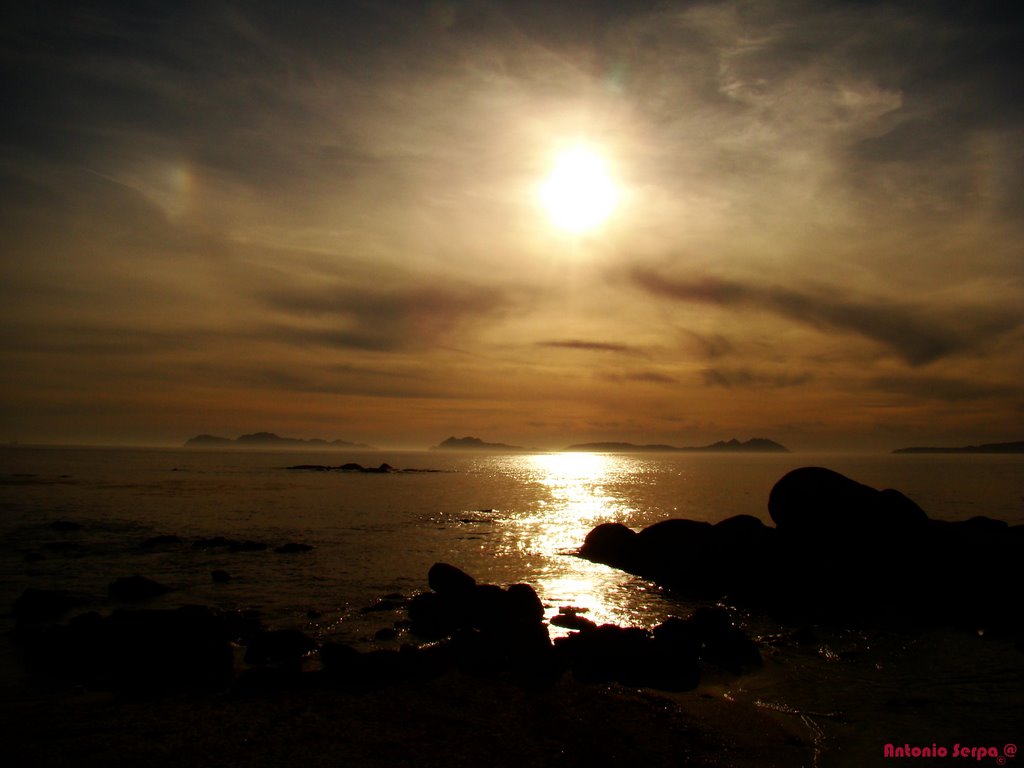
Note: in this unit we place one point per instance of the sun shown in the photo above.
(579, 194)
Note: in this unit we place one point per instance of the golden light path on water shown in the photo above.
(571, 494)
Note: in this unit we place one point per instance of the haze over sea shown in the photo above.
(505, 519)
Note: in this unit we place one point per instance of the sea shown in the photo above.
(509, 518)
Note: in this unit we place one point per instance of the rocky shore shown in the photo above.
(483, 681)
(839, 552)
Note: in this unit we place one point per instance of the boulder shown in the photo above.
(819, 503)
(36, 605)
(524, 605)
(279, 646)
(572, 621)
(292, 548)
(65, 525)
(446, 579)
(612, 544)
(135, 588)
(142, 650)
(163, 540)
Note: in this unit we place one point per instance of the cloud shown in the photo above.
(643, 377)
(380, 319)
(905, 329)
(745, 378)
(594, 346)
(947, 389)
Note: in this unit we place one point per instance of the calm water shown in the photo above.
(506, 519)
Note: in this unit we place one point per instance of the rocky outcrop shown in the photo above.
(136, 649)
(840, 550)
(135, 588)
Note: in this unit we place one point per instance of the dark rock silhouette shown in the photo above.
(446, 579)
(140, 650)
(36, 605)
(293, 547)
(163, 540)
(839, 551)
(220, 576)
(65, 525)
(352, 466)
(135, 588)
(818, 502)
(280, 646)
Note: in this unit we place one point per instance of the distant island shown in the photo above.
(473, 444)
(754, 445)
(267, 440)
(1017, 447)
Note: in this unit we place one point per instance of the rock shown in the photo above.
(134, 588)
(220, 576)
(489, 608)
(572, 621)
(247, 546)
(279, 646)
(630, 656)
(338, 659)
(213, 542)
(36, 605)
(434, 616)
(823, 504)
(142, 650)
(613, 544)
(385, 634)
(447, 579)
(386, 604)
(65, 525)
(292, 548)
(163, 540)
(524, 605)
(722, 643)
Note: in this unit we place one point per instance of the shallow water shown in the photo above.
(505, 519)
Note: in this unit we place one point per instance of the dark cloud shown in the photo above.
(643, 377)
(380, 319)
(711, 345)
(594, 346)
(745, 378)
(907, 330)
(942, 388)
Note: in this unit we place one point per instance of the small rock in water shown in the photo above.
(220, 576)
(292, 548)
(164, 540)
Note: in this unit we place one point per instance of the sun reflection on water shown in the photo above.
(572, 493)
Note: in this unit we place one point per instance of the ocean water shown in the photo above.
(506, 519)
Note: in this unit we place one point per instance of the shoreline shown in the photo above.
(453, 720)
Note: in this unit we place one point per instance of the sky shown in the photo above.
(324, 220)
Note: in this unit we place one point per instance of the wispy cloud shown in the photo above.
(917, 335)
(592, 346)
(741, 378)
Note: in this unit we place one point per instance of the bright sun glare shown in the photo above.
(578, 194)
